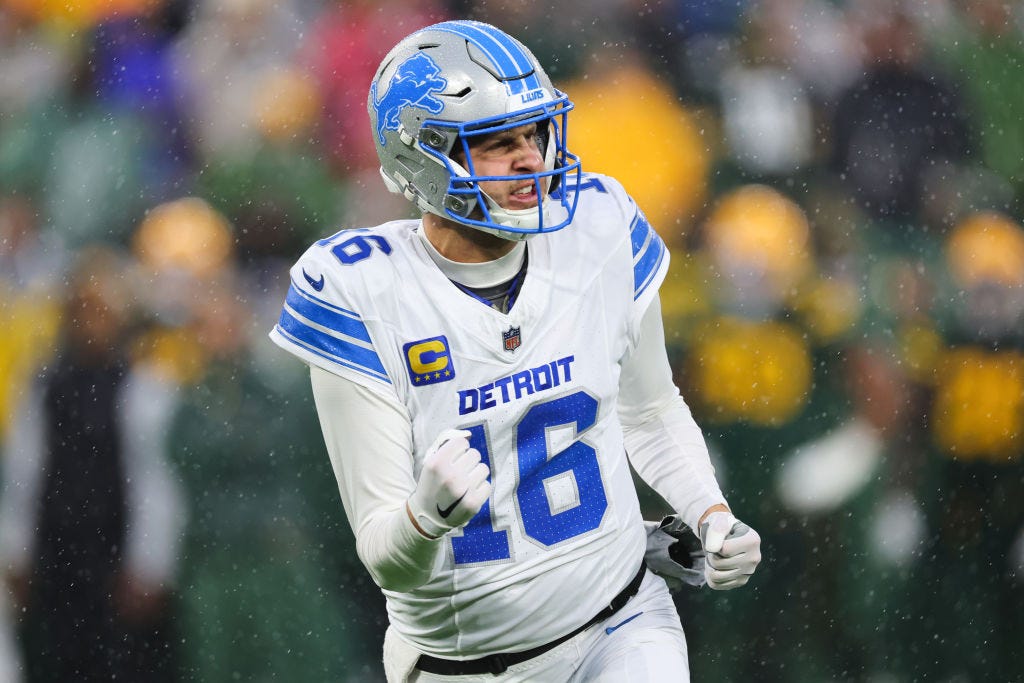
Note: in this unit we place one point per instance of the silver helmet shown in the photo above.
(448, 83)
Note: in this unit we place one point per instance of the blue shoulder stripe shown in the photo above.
(638, 232)
(507, 56)
(327, 315)
(648, 253)
(334, 349)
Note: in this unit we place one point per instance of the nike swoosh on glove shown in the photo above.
(674, 553)
(733, 550)
(452, 486)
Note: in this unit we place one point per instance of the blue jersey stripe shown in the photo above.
(638, 233)
(326, 315)
(507, 57)
(646, 266)
(339, 350)
(315, 352)
(326, 304)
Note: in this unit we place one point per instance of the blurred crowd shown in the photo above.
(841, 186)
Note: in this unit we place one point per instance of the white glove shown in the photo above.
(452, 487)
(733, 550)
(674, 553)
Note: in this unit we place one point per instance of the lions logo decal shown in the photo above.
(412, 85)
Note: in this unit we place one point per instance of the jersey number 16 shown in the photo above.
(481, 542)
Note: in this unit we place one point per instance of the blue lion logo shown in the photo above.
(411, 86)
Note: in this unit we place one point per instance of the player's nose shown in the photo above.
(528, 155)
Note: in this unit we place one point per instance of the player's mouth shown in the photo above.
(524, 196)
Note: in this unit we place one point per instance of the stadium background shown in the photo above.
(840, 183)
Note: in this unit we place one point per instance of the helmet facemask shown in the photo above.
(467, 203)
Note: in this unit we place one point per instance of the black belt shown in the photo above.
(498, 663)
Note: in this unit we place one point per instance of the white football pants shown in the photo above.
(641, 643)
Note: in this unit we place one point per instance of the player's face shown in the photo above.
(516, 151)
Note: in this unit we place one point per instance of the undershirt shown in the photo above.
(494, 283)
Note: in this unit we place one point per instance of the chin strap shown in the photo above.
(530, 219)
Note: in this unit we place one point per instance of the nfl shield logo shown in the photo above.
(511, 339)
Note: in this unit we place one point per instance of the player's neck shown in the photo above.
(479, 274)
(463, 244)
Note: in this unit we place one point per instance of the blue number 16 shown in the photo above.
(481, 542)
(356, 248)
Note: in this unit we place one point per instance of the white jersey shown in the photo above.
(537, 388)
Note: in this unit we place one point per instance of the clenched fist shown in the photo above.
(733, 550)
(452, 487)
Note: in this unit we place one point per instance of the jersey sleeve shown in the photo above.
(650, 261)
(321, 323)
(649, 256)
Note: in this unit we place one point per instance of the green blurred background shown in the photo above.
(840, 184)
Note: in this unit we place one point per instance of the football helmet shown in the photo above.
(449, 83)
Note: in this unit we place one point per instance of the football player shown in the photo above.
(481, 375)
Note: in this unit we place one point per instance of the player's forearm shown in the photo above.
(398, 557)
(369, 439)
(664, 443)
(668, 452)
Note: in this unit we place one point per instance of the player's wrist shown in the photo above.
(425, 527)
(718, 507)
